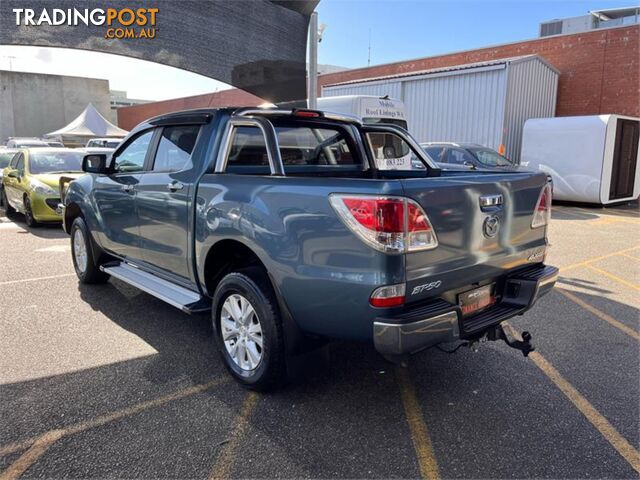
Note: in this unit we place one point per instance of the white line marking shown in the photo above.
(24, 280)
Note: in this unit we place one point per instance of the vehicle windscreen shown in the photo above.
(5, 158)
(55, 162)
(31, 144)
(302, 148)
(490, 158)
(388, 121)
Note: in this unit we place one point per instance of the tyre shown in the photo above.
(28, 214)
(248, 329)
(8, 209)
(84, 263)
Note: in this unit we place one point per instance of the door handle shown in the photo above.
(127, 188)
(175, 186)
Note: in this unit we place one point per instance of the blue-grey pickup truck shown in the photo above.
(297, 226)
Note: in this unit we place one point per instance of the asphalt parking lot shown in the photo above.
(106, 381)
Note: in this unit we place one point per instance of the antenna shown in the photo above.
(369, 56)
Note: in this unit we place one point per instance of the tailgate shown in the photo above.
(476, 244)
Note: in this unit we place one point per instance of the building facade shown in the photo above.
(32, 104)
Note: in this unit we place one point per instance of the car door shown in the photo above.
(14, 183)
(114, 197)
(163, 200)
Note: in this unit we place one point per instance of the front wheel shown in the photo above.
(84, 263)
(248, 329)
(28, 214)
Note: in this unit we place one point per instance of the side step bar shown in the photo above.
(186, 300)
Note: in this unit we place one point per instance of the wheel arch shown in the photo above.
(228, 255)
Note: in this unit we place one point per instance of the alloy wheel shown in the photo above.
(241, 332)
(80, 250)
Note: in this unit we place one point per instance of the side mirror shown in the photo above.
(95, 163)
(13, 174)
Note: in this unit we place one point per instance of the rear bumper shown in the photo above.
(441, 321)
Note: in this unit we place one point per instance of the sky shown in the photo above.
(396, 29)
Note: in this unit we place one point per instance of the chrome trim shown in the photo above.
(405, 338)
(270, 137)
(491, 200)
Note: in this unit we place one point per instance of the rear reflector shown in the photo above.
(388, 224)
(388, 296)
(542, 213)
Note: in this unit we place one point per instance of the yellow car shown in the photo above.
(31, 182)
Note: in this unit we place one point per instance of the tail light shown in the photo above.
(542, 213)
(388, 296)
(388, 224)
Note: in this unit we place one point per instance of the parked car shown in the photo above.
(288, 225)
(6, 154)
(26, 143)
(31, 182)
(105, 150)
(464, 156)
(53, 143)
(103, 143)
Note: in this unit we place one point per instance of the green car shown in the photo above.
(31, 182)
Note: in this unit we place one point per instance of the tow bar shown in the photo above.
(497, 333)
(524, 345)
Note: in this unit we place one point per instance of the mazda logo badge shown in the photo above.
(491, 226)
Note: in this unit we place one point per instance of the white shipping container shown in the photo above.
(592, 159)
(485, 103)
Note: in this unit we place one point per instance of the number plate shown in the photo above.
(476, 299)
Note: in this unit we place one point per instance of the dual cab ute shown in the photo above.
(296, 226)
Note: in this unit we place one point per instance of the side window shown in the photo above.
(20, 163)
(131, 159)
(460, 157)
(14, 160)
(247, 148)
(436, 153)
(305, 146)
(391, 152)
(175, 147)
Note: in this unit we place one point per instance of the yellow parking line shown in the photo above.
(419, 433)
(103, 419)
(608, 431)
(596, 259)
(226, 459)
(31, 456)
(570, 213)
(630, 256)
(35, 279)
(635, 286)
(603, 316)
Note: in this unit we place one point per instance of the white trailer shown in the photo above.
(592, 159)
(369, 108)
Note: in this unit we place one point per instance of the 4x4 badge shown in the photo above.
(491, 226)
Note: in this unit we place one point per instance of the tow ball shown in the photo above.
(524, 345)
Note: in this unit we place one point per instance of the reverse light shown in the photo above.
(388, 224)
(542, 213)
(388, 296)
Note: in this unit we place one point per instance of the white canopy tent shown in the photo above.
(89, 124)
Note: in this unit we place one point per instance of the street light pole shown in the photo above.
(313, 61)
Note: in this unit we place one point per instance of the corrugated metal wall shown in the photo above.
(531, 93)
(458, 107)
(486, 104)
(391, 88)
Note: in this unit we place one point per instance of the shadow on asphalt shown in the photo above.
(43, 230)
(344, 418)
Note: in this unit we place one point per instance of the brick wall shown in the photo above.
(599, 70)
(129, 117)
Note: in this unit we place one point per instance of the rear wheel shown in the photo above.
(248, 329)
(28, 214)
(84, 263)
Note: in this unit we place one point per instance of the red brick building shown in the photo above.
(599, 73)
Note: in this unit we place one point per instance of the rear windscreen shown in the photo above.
(301, 148)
